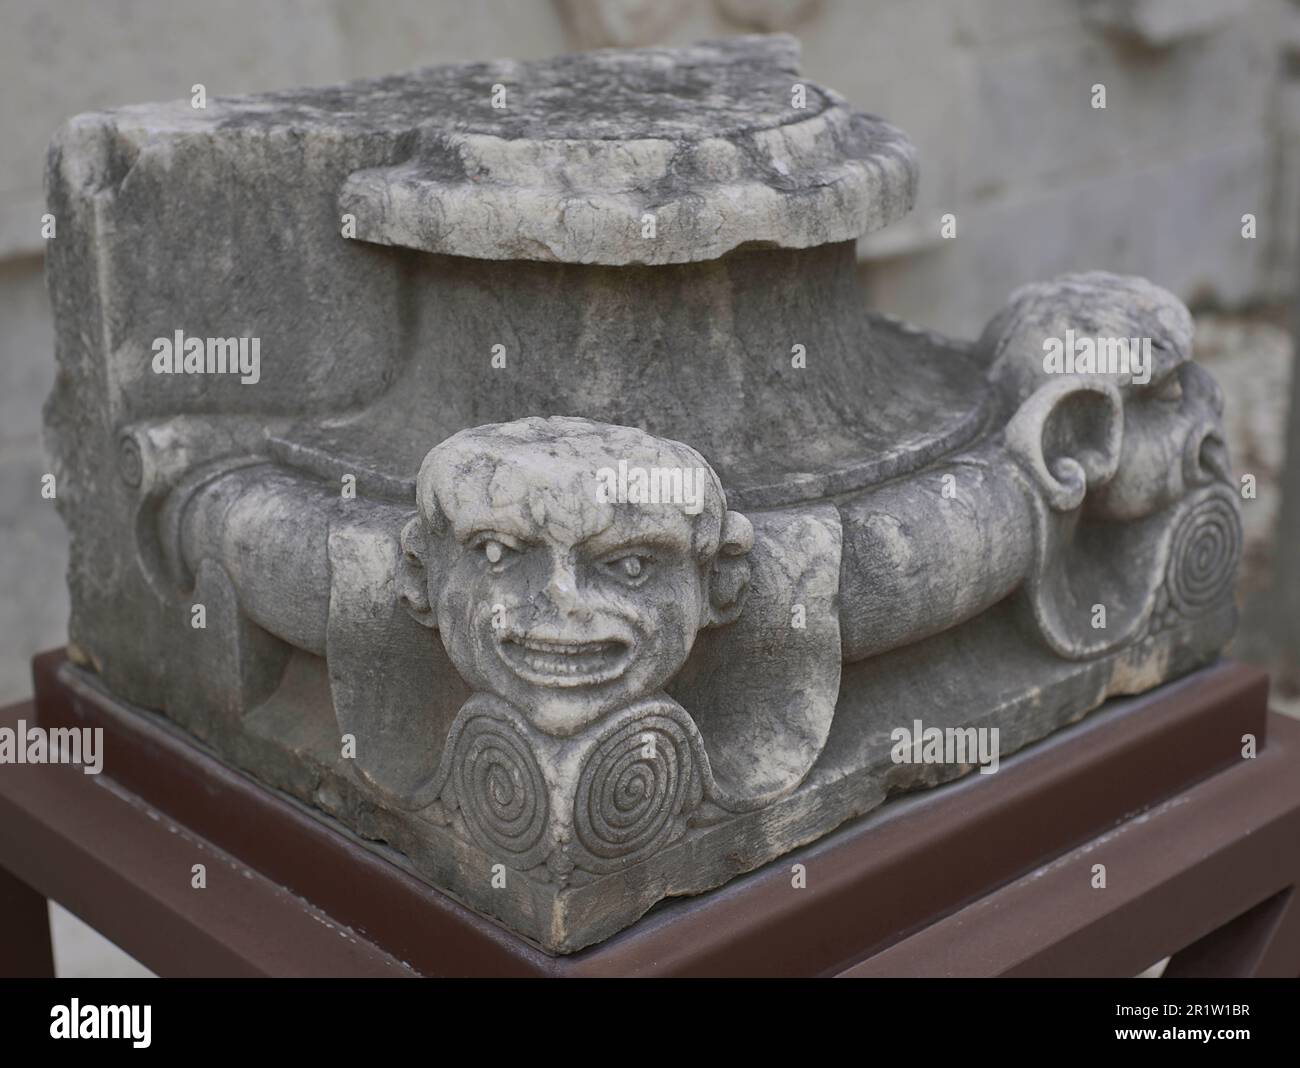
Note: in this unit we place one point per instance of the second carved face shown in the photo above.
(1169, 435)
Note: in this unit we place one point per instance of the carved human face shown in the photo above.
(546, 593)
(1171, 439)
(1172, 443)
(570, 619)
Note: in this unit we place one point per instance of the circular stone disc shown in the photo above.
(649, 156)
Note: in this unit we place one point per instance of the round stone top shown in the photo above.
(640, 156)
(647, 156)
(727, 89)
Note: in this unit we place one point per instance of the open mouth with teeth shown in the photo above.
(550, 662)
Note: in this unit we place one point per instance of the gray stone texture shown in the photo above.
(401, 580)
(690, 141)
(1216, 100)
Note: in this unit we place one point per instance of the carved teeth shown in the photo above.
(552, 661)
(544, 645)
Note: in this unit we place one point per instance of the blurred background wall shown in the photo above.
(1201, 126)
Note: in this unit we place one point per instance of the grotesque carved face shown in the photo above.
(1172, 443)
(1170, 440)
(551, 592)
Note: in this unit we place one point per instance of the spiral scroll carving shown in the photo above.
(1203, 556)
(500, 789)
(636, 786)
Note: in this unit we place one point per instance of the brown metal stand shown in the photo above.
(992, 875)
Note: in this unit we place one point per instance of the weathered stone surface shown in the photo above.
(59, 61)
(610, 575)
(717, 147)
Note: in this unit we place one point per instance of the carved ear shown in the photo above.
(1067, 436)
(413, 575)
(729, 578)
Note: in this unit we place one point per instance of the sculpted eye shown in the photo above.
(1171, 389)
(497, 549)
(630, 568)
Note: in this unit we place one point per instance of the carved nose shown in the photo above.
(562, 592)
(1207, 457)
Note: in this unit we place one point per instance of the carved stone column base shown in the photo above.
(498, 458)
(944, 681)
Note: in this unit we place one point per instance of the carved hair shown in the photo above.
(721, 539)
(715, 529)
(1093, 304)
